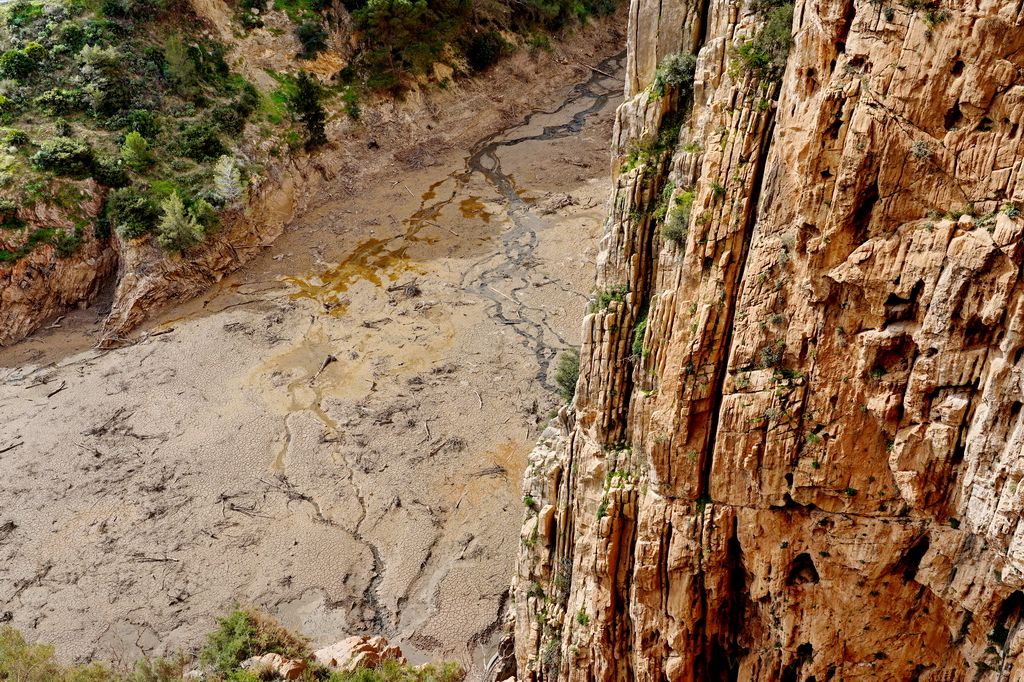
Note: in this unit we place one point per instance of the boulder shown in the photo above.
(360, 651)
(276, 664)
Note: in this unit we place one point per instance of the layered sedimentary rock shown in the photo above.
(796, 443)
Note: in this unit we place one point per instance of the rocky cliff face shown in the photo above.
(45, 283)
(796, 442)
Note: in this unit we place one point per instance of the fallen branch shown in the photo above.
(63, 385)
(11, 447)
(156, 559)
(328, 360)
(445, 227)
(594, 68)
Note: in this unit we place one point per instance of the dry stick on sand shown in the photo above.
(328, 360)
(431, 222)
(603, 73)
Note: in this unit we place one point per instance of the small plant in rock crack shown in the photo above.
(920, 150)
(676, 72)
(771, 355)
(582, 618)
(567, 374)
(616, 293)
(677, 221)
(552, 654)
(529, 502)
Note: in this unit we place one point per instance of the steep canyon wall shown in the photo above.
(796, 441)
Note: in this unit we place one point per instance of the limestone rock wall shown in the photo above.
(807, 466)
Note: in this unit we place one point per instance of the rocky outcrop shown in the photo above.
(359, 652)
(796, 441)
(44, 284)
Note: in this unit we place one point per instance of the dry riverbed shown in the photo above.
(336, 433)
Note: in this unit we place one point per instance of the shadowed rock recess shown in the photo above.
(795, 447)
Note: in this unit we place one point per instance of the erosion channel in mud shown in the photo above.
(335, 434)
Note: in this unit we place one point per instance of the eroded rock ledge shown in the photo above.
(796, 441)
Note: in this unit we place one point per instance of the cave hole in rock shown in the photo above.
(977, 333)
(899, 309)
(802, 571)
(1007, 619)
(861, 217)
(958, 67)
(911, 560)
(952, 117)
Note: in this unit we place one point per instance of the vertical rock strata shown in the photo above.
(796, 445)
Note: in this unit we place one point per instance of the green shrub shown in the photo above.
(205, 215)
(199, 140)
(676, 227)
(305, 102)
(764, 57)
(638, 336)
(350, 97)
(67, 243)
(108, 171)
(60, 101)
(143, 122)
(178, 64)
(312, 37)
(676, 72)
(135, 151)
(131, 213)
(484, 49)
(16, 64)
(9, 219)
(567, 373)
(610, 294)
(244, 633)
(227, 180)
(24, 662)
(15, 138)
(64, 156)
(23, 12)
(177, 229)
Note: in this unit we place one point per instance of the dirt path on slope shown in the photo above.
(336, 433)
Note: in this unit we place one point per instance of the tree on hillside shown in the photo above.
(177, 230)
(135, 151)
(227, 180)
(305, 102)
